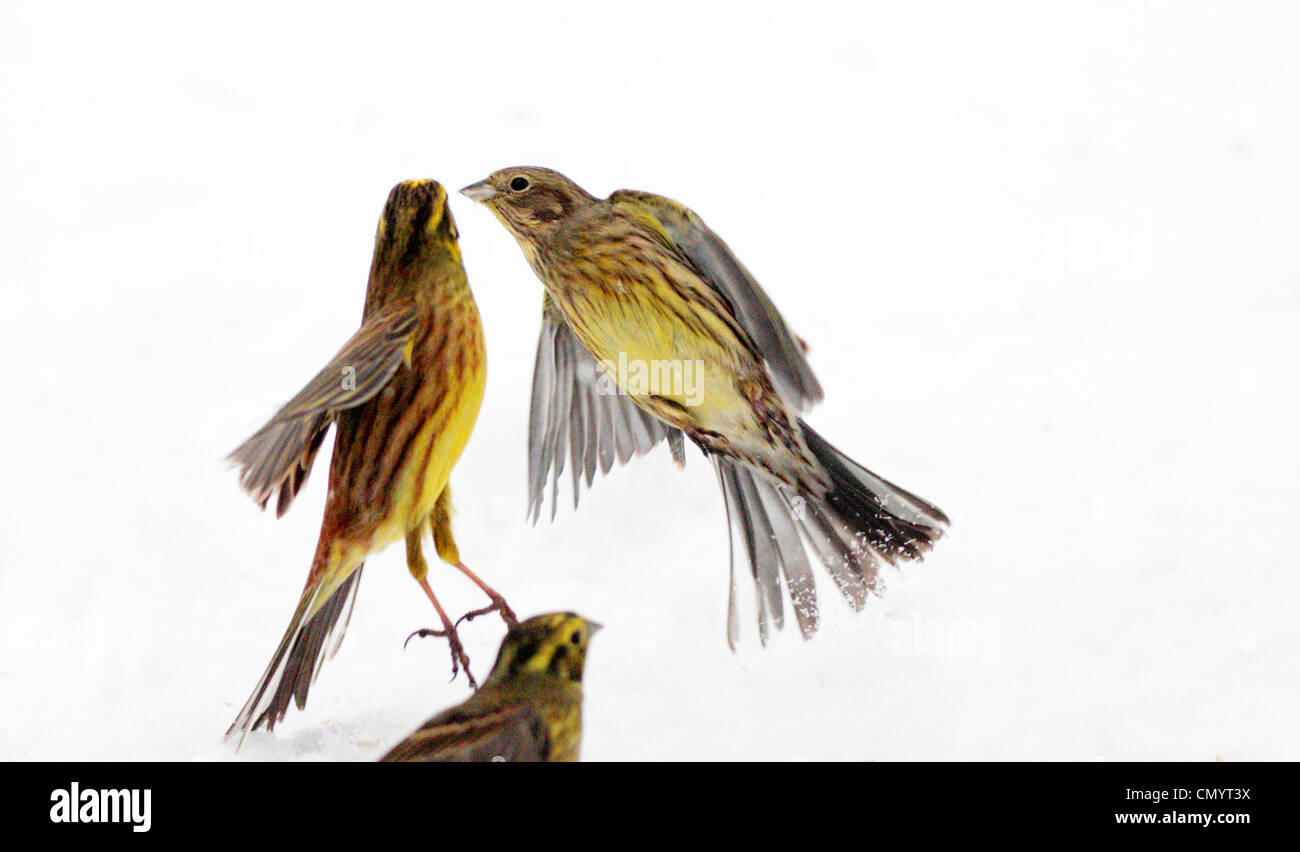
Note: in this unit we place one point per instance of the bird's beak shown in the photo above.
(481, 191)
(593, 627)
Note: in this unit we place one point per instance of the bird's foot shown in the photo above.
(459, 659)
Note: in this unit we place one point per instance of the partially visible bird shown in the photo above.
(651, 330)
(404, 393)
(528, 709)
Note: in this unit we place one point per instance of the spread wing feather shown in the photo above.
(279, 456)
(575, 415)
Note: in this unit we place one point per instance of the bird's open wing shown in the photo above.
(279, 456)
(515, 734)
(579, 413)
(780, 348)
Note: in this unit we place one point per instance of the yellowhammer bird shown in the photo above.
(529, 708)
(404, 393)
(641, 286)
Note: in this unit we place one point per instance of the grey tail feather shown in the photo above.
(306, 645)
(764, 534)
(862, 521)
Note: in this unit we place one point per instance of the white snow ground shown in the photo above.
(1045, 255)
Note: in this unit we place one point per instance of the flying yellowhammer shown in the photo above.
(638, 279)
(403, 394)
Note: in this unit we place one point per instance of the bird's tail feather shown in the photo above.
(861, 521)
(764, 534)
(312, 638)
(895, 522)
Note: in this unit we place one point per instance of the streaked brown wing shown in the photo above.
(572, 415)
(711, 257)
(280, 455)
(514, 734)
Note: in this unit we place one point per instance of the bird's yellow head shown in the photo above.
(527, 199)
(416, 224)
(416, 244)
(554, 644)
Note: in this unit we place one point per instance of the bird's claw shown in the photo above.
(498, 605)
(422, 632)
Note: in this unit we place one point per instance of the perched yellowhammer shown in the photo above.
(529, 708)
(641, 286)
(404, 393)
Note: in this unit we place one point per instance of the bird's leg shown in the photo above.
(445, 543)
(498, 602)
(419, 570)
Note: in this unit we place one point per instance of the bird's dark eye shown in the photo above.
(576, 638)
(519, 184)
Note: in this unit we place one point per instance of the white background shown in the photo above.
(1045, 255)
